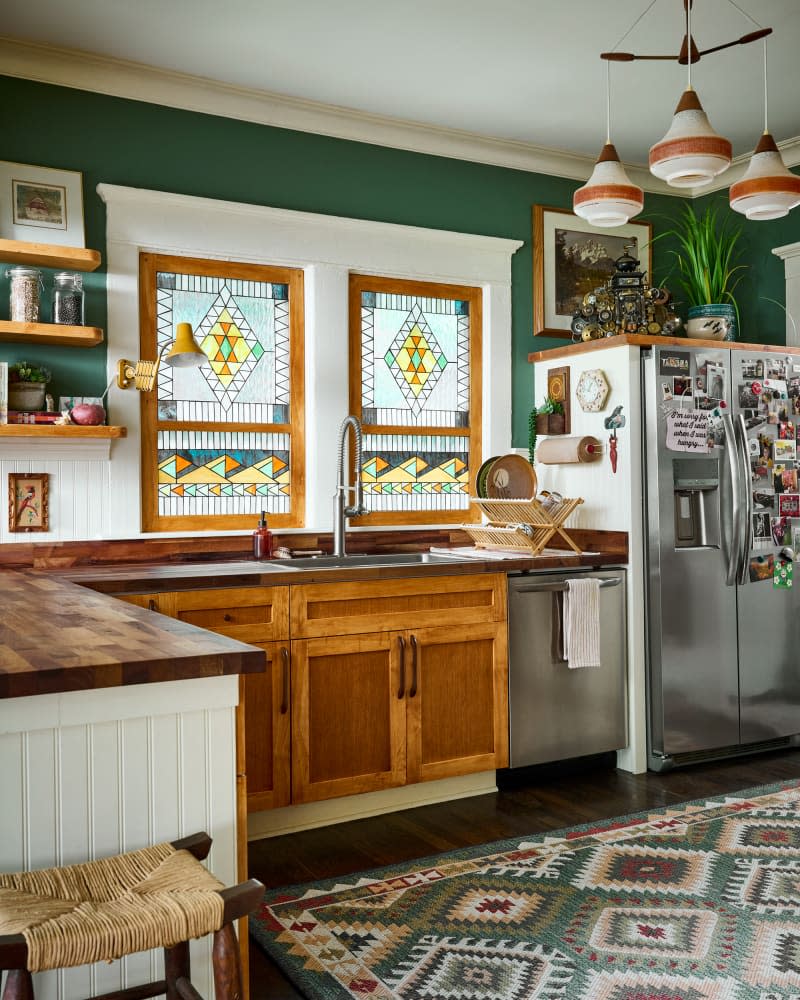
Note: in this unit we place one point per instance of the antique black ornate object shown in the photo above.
(624, 304)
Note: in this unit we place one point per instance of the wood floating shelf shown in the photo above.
(58, 431)
(51, 333)
(47, 255)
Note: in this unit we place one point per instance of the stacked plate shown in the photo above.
(506, 477)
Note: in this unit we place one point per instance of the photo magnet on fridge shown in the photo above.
(761, 526)
(784, 451)
(763, 500)
(762, 568)
(781, 530)
(682, 387)
(786, 431)
(674, 363)
(783, 574)
(752, 368)
(788, 505)
(748, 400)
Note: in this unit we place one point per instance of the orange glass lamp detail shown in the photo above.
(608, 198)
(184, 352)
(768, 189)
(691, 153)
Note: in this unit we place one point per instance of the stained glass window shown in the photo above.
(221, 442)
(415, 386)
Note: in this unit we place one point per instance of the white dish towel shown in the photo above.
(582, 623)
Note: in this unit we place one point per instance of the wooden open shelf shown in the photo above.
(47, 255)
(55, 431)
(51, 333)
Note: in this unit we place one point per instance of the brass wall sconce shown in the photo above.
(184, 352)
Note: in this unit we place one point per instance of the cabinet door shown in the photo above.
(348, 715)
(250, 614)
(267, 728)
(162, 603)
(457, 700)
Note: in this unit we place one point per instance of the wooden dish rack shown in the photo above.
(503, 530)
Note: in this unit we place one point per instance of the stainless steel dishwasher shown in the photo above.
(555, 712)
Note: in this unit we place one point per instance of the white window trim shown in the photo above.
(327, 248)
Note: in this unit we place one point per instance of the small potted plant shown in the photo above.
(26, 386)
(707, 269)
(545, 419)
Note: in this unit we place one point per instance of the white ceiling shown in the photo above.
(522, 70)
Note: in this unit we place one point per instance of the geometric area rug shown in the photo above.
(698, 901)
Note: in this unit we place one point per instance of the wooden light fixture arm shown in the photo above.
(688, 45)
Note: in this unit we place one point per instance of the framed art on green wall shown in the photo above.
(572, 257)
(41, 204)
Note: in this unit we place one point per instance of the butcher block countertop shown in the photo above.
(63, 630)
(56, 636)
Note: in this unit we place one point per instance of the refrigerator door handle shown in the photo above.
(743, 573)
(735, 543)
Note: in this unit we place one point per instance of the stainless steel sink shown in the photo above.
(379, 559)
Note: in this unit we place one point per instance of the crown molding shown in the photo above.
(139, 82)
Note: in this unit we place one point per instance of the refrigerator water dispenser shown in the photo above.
(696, 499)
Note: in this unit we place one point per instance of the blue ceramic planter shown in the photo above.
(716, 321)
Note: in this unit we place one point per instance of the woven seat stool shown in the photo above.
(159, 897)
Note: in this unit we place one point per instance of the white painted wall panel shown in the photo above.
(62, 761)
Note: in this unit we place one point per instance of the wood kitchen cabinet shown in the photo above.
(369, 685)
(373, 710)
(260, 616)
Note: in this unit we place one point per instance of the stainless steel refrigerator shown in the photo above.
(722, 516)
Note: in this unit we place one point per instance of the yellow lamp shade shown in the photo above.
(185, 351)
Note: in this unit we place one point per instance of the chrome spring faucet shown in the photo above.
(341, 510)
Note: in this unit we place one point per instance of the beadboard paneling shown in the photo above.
(64, 798)
(78, 497)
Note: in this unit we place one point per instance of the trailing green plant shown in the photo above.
(707, 264)
(548, 406)
(22, 371)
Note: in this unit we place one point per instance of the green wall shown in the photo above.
(143, 145)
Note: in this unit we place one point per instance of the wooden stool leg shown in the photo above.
(176, 966)
(19, 985)
(227, 965)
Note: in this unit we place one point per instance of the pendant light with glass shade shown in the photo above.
(768, 189)
(691, 154)
(608, 198)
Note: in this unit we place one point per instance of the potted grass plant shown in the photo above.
(707, 268)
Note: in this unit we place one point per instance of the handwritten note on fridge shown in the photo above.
(687, 430)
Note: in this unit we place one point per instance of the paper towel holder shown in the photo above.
(569, 450)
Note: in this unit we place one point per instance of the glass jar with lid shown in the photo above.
(26, 283)
(68, 298)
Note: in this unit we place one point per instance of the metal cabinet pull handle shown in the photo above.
(414, 663)
(152, 605)
(285, 697)
(402, 689)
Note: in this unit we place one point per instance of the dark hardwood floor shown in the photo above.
(538, 800)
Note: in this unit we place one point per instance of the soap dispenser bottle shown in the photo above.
(262, 539)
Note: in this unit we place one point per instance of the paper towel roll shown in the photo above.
(562, 450)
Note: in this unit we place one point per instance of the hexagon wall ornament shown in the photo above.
(592, 390)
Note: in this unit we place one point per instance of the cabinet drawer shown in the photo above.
(383, 605)
(250, 614)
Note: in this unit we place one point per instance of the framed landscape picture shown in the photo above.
(41, 204)
(570, 258)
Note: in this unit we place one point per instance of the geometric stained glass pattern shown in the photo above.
(403, 472)
(415, 360)
(204, 473)
(243, 327)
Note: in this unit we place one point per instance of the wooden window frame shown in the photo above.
(149, 265)
(474, 295)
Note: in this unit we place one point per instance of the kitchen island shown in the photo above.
(117, 730)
